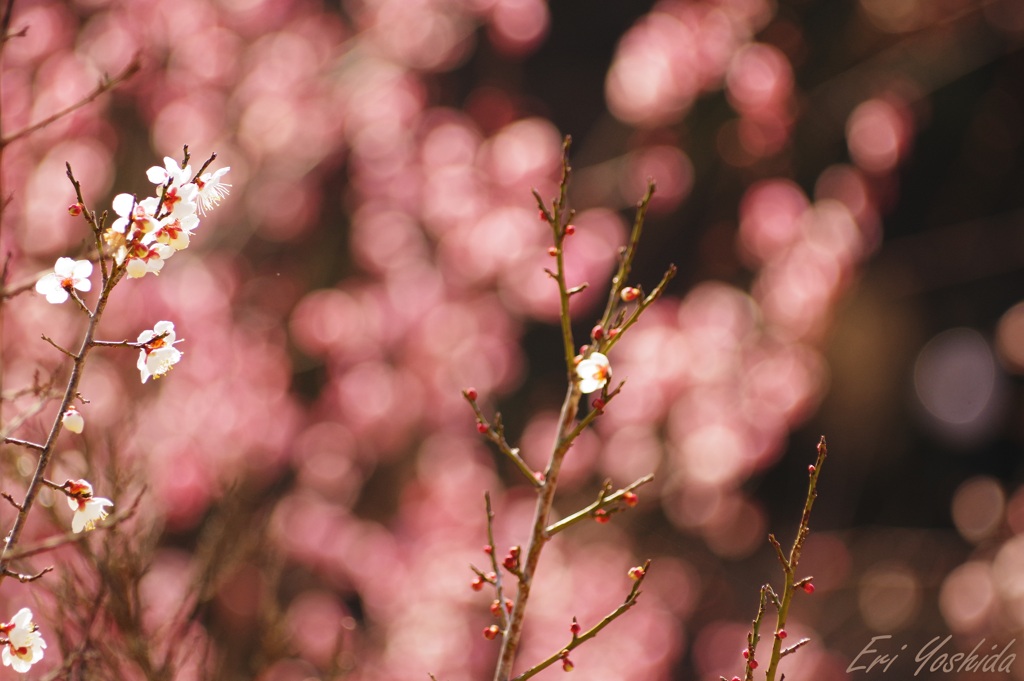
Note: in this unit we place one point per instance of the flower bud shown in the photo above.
(753, 664)
(481, 428)
(630, 499)
(781, 634)
(636, 573)
(811, 469)
(808, 587)
(73, 420)
(488, 549)
(471, 394)
(629, 294)
(541, 216)
(597, 333)
(491, 632)
(477, 583)
(552, 251)
(601, 516)
(495, 607)
(575, 627)
(567, 665)
(75, 209)
(570, 230)
(746, 653)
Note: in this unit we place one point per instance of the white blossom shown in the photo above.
(67, 273)
(593, 372)
(212, 190)
(158, 355)
(24, 645)
(88, 509)
(73, 420)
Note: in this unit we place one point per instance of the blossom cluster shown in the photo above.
(148, 232)
(144, 235)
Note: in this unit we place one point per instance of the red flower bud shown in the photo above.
(811, 469)
(488, 549)
(471, 394)
(541, 216)
(598, 404)
(539, 477)
(491, 632)
(781, 633)
(508, 605)
(636, 573)
(570, 230)
(601, 516)
(597, 333)
(575, 627)
(75, 209)
(630, 499)
(567, 665)
(477, 583)
(809, 588)
(746, 653)
(552, 251)
(629, 294)
(753, 664)
(613, 333)
(495, 607)
(481, 428)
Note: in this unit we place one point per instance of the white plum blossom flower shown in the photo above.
(136, 215)
(24, 646)
(88, 509)
(171, 171)
(212, 190)
(180, 195)
(593, 372)
(158, 355)
(67, 273)
(143, 259)
(73, 420)
(177, 232)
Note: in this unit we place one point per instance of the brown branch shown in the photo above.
(26, 578)
(580, 639)
(105, 85)
(23, 443)
(603, 501)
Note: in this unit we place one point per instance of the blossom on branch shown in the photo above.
(212, 190)
(24, 644)
(135, 219)
(158, 353)
(88, 509)
(67, 274)
(593, 372)
(73, 420)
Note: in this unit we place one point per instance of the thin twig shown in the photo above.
(105, 85)
(602, 502)
(26, 578)
(580, 639)
(62, 349)
(23, 443)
